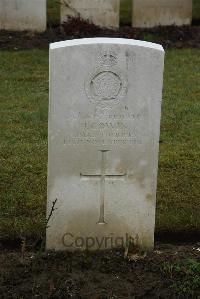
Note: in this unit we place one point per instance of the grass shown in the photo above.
(53, 11)
(185, 277)
(23, 147)
(24, 101)
(178, 190)
(126, 12)
(196, 10)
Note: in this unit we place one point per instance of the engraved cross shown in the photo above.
(103, 177)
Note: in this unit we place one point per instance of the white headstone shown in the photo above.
(104, 13)
(19, 15)
(151, 13)
(104, 123)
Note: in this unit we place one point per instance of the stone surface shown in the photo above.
(104, 123)
(19, 15)
(151, 13)
(104, 13)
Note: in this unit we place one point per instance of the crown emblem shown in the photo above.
(108, 59)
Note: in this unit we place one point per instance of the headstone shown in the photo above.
(151, 13)
(104, 13)
(104, 123)
(20, 15)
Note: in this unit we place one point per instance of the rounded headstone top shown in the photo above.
(105, 40)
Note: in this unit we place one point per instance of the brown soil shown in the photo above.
(99, 275)
(171, 36)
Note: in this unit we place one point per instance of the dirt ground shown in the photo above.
(171, 36)
(169, 271)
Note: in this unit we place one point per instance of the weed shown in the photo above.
(185, 275)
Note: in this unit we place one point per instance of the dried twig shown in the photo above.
(47, 221)
(23, 247)
(51, 212)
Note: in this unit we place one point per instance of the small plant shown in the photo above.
(133, 251)
(168, 269)
(186, 276)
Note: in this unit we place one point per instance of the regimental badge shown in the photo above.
(106, 86)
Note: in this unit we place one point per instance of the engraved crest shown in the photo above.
(108, 58)
(106, 85)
